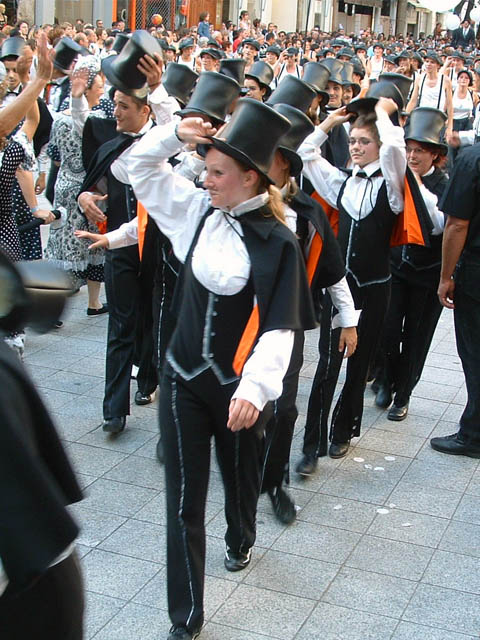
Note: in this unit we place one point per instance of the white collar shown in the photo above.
(369, 168)
(429, 172)
(146, 127)
(250, 205)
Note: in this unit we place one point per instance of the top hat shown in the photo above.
(210, 51)
(347, 76)
(121, 70)
(432, 55)
(185, 43)
(262, 72)
(179, 81)
(317, 75)
(426, 125)
(337, 43)
(294, 92)
(233, 68)
(300, 127)
(347, 52)
(403, 83)
(380, 89)
(243, 137)
(324, 52)
(120, 41)
(212, 96)
(65, 53)
(335, 67)
(12, 47)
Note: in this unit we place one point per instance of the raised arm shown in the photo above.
(393, 158)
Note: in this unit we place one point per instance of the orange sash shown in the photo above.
(331, 212)
(407, 228)
(142, 217)
(246, 341)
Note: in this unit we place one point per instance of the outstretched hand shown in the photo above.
(79, 82)
(98, 240)
(45, 58)
(195, 131)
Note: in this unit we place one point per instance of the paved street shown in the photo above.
(386, 544)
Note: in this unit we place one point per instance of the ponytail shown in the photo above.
(275, 203)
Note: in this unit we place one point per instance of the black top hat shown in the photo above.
(212, 96)
(121, 40)
(185, 43)
(380, 89)
(65, 53)
(294, 92)
(317, 75)
(335, 67)
(274, 49)
(262, 72)
(347, 52)
(122, 71)
(426, 125)
(252, 42)
(403, 83)
(348, 80)
(179, 81)
(358, 67)
(12, 47)
(244, 139)
(210, 51)
(300, 127)
(171, 47)
(233, 68)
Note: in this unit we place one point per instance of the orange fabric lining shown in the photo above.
(142, 216)
(331, 212)
(407, 229)
(247, 341)
(314, 256)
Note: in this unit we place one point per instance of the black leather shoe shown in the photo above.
(97, 312)
(338, 449)
(307, 464)
(159, 451)
(454, 445)
(114, 425)
(283, 505)
(236, 560)
(141, 398)
(375, 386)
(397, 413)
(383, 399)
(182, 633)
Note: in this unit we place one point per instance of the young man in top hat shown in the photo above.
(250, 50)
(258, 80)
(58, 91)
(11, 50)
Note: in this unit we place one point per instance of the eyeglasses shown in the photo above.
(363, 142)
(416, 150)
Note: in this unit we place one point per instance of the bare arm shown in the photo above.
(448, 105)
(454, 238)
(414, 97)
(31, 121)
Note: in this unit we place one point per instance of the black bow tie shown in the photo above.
(363, 174)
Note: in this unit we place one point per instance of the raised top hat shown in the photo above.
(380, 89)
(317, 75)
(294, 92)
(66, 51)
(243, 137)
(122, 71)
(212, 96)
(335, 67)
(347, 52)
(300, 127)
(210, 51)
(12, 47)
(179, 81)
(233, 68)
(426, 125)
(262, 72)
(185, 43)
(347, 76)
(403, 83)
(120, 41)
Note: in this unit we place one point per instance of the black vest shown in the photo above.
(365, 243)
(122, 203)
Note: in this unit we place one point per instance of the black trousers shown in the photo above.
(191, 412)
(280, 427)
(347, 415)
(164, 320)
(467, 332)
(411, 320)
(51, 609)
(129, 298)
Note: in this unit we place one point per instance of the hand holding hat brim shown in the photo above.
(195, 131)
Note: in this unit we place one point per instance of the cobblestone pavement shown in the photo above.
(386, 544)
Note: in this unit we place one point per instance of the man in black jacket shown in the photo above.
(464, 36)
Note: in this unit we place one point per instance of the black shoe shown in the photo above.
(338, 449)
(141, 398)
(283, 505)
(454, 445)
(58, 324)
(307, 465)
(397, 413)
(159, 451)
(181, 633)
(97, 312)
(383, 399)
(375, 386)
(114, 425)
(236, 560)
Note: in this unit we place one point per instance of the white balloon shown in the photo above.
(452, 22)
(439, 6)
(475, 14)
